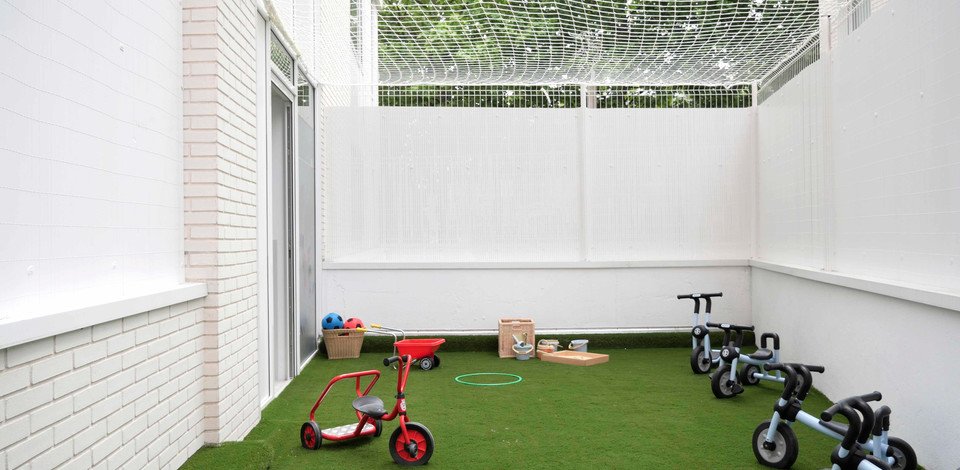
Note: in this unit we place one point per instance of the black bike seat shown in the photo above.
(761, 355)
(370, 406)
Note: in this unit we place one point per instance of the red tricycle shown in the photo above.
(410, 444)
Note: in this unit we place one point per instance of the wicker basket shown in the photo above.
(514, 326)
(343, 343)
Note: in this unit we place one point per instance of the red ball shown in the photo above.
(353, 323)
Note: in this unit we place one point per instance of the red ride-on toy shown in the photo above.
(410, 444)
(422, 350)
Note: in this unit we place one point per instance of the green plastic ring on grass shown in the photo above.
(459, 378)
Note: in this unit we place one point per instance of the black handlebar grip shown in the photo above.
(391, 360)
(698, 296)
(866, 413)
(875, 396)
(881, 420)
(818, 369)
(728, 326)
(775, 337)
(773, 366)
(828, 413)
(853, 418)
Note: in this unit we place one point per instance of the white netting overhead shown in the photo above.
(656, 42)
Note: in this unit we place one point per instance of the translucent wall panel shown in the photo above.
(858, 163)
(466, 184)
(792, 142)
(669, 184)
(432, 184)
(897, 146)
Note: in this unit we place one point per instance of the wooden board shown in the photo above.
(575, 358)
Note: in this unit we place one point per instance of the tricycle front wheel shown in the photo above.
(417, 450)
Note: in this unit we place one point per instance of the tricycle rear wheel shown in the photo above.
(310, 435)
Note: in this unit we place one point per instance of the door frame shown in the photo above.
(268, 77)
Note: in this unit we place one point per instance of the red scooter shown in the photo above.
(411, 444)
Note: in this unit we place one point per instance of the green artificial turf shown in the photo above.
(643, 409)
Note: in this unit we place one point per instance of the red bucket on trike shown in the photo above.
(421, 350)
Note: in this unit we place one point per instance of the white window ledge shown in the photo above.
(336, 265)
(23, 330)
(914, 293)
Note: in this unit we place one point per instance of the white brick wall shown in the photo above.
(90, 167)
(99, 397)
(220, 204)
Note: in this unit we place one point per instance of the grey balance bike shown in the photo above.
(848, 455)
(702, 358)
(727, 381)
(777, 446)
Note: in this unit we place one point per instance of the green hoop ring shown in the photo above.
(459, 378)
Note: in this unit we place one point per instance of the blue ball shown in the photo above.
(332, 321)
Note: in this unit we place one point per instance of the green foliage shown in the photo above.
(546, 40)
(566, 96)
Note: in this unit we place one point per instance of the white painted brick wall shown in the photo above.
(91, 174)
(220, 165)
(95, 397)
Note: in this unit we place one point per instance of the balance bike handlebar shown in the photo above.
(793, 370)
(728, 326)
(696, 300)
(779, 366)
(795, 366)
(881, 420)
(872, 396)
(850, 437)
(700, 296)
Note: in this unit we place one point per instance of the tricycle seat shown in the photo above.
(370, 406)
(762, 355)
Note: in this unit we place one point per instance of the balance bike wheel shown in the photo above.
(785, 447)
(904, 458)
(721, 385)
(698, 363)
(310, 435)
(746, 375)
(415, 452)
